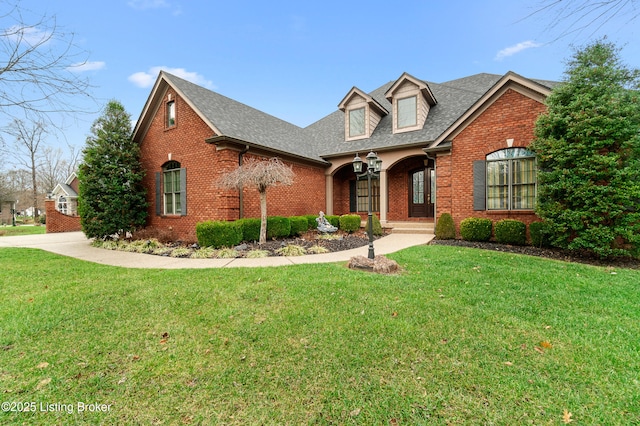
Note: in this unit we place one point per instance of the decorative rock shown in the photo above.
(379, 265)
(241, 247)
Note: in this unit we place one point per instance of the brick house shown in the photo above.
(61, 207)
(457, 147)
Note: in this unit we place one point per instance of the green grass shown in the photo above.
(8, 231)
(462, 336)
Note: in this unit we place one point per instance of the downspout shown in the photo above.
(241, 190)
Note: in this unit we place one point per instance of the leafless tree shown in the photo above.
(576, 16)
(260, 174)
(25, 150)
(56, 166)
(38, 60)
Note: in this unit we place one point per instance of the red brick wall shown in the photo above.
(58, 222)
(204, 164)
(512, 116)
(398, 181)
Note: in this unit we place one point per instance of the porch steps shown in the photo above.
(396, 227)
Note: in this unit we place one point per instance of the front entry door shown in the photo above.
(420, 188)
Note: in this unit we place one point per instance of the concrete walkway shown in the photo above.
(75, 244)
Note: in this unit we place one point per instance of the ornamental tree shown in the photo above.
(261, 174)
(111, 199)
(588, 152)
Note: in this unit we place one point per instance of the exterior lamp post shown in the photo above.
(374, 165)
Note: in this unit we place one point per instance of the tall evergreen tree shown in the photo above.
(588, 150)
(111, 199)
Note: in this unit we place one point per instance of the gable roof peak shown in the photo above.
(421, 84)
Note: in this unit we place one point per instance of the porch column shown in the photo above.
(384, 197)
(328, 184)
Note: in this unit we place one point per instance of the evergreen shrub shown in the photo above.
(510, 231)
(445, 228)
(299, 225)
(311, 221)
(250, 229)
(538, 231)
(278, 227)
(218, 234)
(350, 222)
(334, 220)
(476, 229)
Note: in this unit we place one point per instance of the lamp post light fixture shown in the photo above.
(374, 165)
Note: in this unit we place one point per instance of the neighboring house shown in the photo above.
(65, 196)
(457, 147)
(62, 207)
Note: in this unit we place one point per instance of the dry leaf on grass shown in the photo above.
(566, 417)
(44, 382)
(43, 365)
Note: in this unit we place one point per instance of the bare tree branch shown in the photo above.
(37, 61)
(260, 174)
(577, 16)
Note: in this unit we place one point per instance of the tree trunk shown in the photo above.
(263, 216)
(35, 188)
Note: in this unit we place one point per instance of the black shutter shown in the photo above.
(479, 185)
(158, 194)
(353, 204)
(183, 191)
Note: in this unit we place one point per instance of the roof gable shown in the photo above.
(527, 87)
(408, 78)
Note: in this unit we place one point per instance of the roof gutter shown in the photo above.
(216, 140)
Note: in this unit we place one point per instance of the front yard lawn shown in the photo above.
(462, 336)
(8, 231)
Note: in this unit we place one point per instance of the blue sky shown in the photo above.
(297, 59)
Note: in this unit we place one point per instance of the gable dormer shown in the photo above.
(411, 100)
(362, 114)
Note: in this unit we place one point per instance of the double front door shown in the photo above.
(421, 192)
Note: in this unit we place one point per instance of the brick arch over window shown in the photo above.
(171, 190)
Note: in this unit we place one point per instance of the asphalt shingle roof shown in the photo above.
(325, 137)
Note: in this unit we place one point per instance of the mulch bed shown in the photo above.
(558, 254)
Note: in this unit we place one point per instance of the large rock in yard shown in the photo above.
(379, 265)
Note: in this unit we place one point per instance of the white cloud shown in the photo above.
(146, 79)
(30, 35)
(147, 4)
(155, 4)
(87, 66)
(512, 50)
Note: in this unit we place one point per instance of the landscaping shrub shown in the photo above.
(538, 231)
(250, 229)
(476, 229)
(311, 221)
(218, 234)
(299, 225)
(350, 222)
(334, 220)
(377, 226)
(511, 231)
(278, 227)
(445, 228)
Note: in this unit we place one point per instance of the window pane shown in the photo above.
(362, 195)
(168, 204)
(176, 180)
(407, 112)
(171, 114)
(497, 185)
(418, 187)
(356, 122)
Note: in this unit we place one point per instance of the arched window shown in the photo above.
(62, 204)
(172, 187)
(511, 179)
